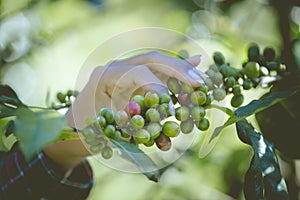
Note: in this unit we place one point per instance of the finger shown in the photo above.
(137, 80)
(194, 60)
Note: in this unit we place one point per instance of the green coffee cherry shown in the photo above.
(142, 136)
(253, 52)
(237, 89)
(154, 130)
(137, 121)
(140, 100)
(209, 99)
(109, 131)
(150, 143)
(182, 113)
(203, 124)
(107, 152)
(164, 98)
(225, 70)
(198, 113)
(230, 82)
(152, 115)
(151, 99)
(185, 88)
(203, 88)
(217, 78)
(96, 148)
(108, 114)
(247, 84)
(102, 121)
(187, 126)
(269, 54)
(174, 85)
(171, 129)
(214, 67)
(237, 100)
(209, 83)
(219, 94)
(61, 97)
(211, 73)
(91, 141)
(218, 58)
(121, 118)
(198, 98)
(252, 70)
(125, 133)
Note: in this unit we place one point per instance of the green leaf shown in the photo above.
(256, 106)
(35, 129)
(263, 179)
(9, 97)
(132, 153)
(6, 141)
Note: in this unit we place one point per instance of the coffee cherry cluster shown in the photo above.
(224, 79)
(144, 120)
(64, 100)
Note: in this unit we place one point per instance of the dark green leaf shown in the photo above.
(263, 179)
(256, 106)
(132, 153)
(6, 111)
(35, 129)
(6, 142)
(9, 97)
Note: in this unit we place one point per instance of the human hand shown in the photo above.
(113, 85)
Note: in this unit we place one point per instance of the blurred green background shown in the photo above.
(43, 45)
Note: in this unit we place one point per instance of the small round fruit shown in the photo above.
(183, 98)
(163, 142)
(142, 136)
(121, 118)
(182, 113)
(225, 70)
(219, 94)
(173, 85)
(198, 98)
(150, 143)
(253, 52)
(185, 88)
(230, 82)
(133, 108)
(109, 131)
(152, 115)
(107, 152)
(154, 130)
(252, 70)
(247, 84)
(140, 100)
(237, 100)
(202, 88)
(218, 58)
(210, 73)
(273, 65)
(91, 141)
(214, 67)
(209, 83)
(108, 114)
(89, 132)
(164, 98)
(209, 99)
(203, 124)
(217, 78)
(187, 126)
(163, 110)
(151, 99)
(95, 148)
(269, 54)
(137, 121)
(125, 133)
(171, 129)
(102, 121)
(69, 93)
(198, 113)
(237, 89)
(61, 97)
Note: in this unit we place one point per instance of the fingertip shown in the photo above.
(194, 60)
